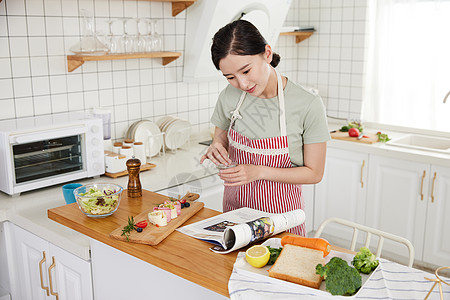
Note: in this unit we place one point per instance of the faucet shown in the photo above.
(446, 96)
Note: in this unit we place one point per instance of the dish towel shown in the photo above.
(390, 281)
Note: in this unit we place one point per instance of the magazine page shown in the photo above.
(236, 229)
(212, 229)
(238, 236)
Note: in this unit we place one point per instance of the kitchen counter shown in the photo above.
(179, 254)
(442, 159)
(29, 210)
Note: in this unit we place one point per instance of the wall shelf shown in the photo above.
(299, 35)
(177, 5)
(75, 61)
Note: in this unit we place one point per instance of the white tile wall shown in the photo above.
(35, 37)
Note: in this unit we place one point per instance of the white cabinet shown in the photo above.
(397, 200)
(44, 270)
(437, 231)
(308, 198)
(119, 276)
(412, 200)
(342, 191)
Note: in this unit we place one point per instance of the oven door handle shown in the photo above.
(46, 135)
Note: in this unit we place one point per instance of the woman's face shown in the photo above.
(249, 73)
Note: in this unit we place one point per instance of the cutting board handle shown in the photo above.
(191, 196)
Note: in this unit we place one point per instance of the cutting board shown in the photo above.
(152, 235)
(371, 139)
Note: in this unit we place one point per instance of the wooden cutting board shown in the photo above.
(152, 235)
(371, 139)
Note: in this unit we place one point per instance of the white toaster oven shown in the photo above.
(42, 151)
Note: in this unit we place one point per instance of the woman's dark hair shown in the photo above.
(239, 38)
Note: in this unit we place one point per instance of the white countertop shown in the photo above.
(29, 210)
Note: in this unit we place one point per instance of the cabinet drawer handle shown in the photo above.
(40, 273)
(421, 185)
(50, 278)
(432, 188)
(362, 169)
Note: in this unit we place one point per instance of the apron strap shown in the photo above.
(235, 113)
(281, 101)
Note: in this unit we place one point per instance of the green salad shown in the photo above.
(97, 202)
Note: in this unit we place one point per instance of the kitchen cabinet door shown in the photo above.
(342, 191)
(70, 277)
(397, 200)
(437, 233)
(72, 274)
(29, 261)
(308, 198)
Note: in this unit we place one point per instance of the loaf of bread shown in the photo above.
(298, 265)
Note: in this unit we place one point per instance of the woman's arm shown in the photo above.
(310, 173)
(217, 151)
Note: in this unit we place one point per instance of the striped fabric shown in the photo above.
(391, 281)
(264, 195)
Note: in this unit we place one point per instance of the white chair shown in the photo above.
(369, 232)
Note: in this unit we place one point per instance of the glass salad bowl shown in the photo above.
(98, 200)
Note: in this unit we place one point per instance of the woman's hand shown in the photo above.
(217, 154)
(241, 174)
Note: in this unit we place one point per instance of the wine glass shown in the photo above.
(127, 43)
(148, 36)
(110, 39)
(157, 38)
(140, 40)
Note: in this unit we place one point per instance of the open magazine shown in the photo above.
(238, 228)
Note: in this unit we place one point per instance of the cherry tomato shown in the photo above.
(142, 224)
(353, 132)
(182, 201)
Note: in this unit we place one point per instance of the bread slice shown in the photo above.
(298, 265)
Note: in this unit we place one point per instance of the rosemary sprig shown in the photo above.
(129, 228)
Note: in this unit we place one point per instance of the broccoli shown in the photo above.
(340, 278)
(365, 261)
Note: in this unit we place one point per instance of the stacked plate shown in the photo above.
(141, 131)
(177, 131)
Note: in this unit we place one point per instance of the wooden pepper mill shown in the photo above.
(134, 184)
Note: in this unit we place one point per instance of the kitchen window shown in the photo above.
(408, 64)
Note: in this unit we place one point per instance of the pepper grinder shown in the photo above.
(134, 184)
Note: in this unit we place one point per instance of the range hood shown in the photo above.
(205, 17)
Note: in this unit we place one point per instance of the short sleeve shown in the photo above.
(315, 123)
(221, 117)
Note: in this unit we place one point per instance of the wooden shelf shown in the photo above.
(299, 35)
(74, 61)
(177, 5)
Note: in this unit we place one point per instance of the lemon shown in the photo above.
(257, 256)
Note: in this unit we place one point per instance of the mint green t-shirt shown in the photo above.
(305, 117)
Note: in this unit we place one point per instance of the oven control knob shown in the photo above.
(95, 142)
(95, 154)
(94, 129)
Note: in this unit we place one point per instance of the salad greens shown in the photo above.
(97, 202)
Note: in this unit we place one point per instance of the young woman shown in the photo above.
(274, 130)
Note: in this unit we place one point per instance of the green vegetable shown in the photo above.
(365, 261)
(129, 228)
(274, 253)
(357, 125)
(96, 202)
(383, 137)
(340, 278)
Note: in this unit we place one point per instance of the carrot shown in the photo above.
(312, 243)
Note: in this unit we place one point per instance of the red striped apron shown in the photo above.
(264, 195)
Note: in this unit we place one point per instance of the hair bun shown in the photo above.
(275, 59)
